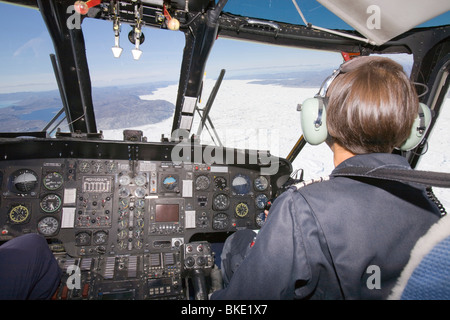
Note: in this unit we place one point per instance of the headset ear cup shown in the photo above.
(313, 132)
(419, 128)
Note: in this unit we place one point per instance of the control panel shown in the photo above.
(128, 228)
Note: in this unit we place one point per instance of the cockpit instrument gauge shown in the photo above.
(220, 183)
(100, 237)
(123, 234)
(122, 244)
(261, 201)
(53, 181)
(97, 167)
(124, 180)
(124, 192)
(24, 180)
(139, 192)
(138, 244)
(123, 203)
(221, 202)
(48, 226)
(140, 203)
(261, 183)
(260, 219)
(241, 184)
(123, 224)
(19, 214)
(170, 182)
(140, 180)
(241, 209)
(83, 239)
(84, 166)
(202, 182)
(111, 167)
(50, 203)
(220, 221)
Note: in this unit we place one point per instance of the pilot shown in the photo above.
(343, 238)
(28, 269)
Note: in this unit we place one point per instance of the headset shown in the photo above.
(313, 111)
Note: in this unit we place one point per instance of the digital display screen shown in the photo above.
(167, 213)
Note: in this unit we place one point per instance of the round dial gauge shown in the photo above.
(261, 183)
(260, 219)
(170, 183)
(123, 203)
(122, 244)
(220, 221)
(138, 244)
(53, 181)
(83, 239)
(48, 226)
(124, 180)
(241, 184)
(221, 202)
(140, 180)
(51, 203)
(97, 167)
(220, 183)
(84, 166)
(111, 167)
(140, 223)
(202, 182)
(24, 180)
(241, 209)
(124, 192)
(100, 237)
(261, 201)
(19, 214)
(138, 213)
(123, 234)
(123, 224)
(139, 192)
(140, 203)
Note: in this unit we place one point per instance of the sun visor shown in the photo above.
(381, 20)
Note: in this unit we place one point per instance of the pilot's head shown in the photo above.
(371, 106)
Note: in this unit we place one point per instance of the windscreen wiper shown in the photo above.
(301, 142)
(204, 116)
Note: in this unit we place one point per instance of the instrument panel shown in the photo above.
(94, 206)
(126, 219)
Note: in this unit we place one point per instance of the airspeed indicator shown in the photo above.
(53, 181)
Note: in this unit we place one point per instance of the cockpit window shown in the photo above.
(28, 92)
(125, 90)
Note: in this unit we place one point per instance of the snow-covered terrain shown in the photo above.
(263, 116)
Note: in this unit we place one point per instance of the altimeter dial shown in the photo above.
(221, 202)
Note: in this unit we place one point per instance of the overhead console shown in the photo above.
(124, 212)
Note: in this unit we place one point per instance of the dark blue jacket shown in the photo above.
(344, 238)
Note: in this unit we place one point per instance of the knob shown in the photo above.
(189, 262)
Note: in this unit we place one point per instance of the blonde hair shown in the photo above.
(371, 107)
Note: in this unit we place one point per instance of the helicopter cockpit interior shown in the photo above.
(141, 219)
